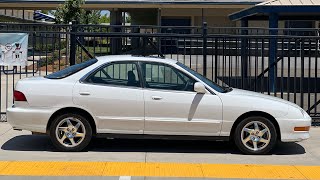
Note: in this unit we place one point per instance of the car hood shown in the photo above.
(241, 92)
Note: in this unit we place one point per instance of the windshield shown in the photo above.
(213, 85)
(71, 70)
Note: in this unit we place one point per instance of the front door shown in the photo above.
(114, 95)
(173, 108)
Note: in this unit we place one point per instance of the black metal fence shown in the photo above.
(284, 65)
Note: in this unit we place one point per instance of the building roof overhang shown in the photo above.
(283, 8)
(96, 4)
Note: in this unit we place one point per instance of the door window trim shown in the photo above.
(141, 78)
(84, 79)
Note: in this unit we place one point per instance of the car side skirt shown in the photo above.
(167, 137)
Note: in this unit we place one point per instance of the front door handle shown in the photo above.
(156, 97)
(85, 93)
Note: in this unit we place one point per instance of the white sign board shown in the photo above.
(14, 49)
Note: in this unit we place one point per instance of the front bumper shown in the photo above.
(287, 129)
(31, 119)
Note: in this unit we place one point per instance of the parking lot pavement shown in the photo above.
(174, 156)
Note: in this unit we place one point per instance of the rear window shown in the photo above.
(71, 70)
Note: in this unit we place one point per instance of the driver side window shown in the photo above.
(162, 76)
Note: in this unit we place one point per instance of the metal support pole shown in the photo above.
(23, 18)
(159, 29)
(73, 43)
(115, 19)
(205, 44)
(123, 23)
(202, 16)
(273, 24)
(244, 53)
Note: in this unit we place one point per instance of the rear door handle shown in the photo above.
(84, 93)
(156, 97)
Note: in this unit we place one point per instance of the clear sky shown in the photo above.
(105, 12)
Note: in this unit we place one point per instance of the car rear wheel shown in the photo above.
(70, 132)
(255, 135)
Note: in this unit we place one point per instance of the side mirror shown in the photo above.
(199, 88)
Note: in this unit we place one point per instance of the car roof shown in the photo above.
(112, 58)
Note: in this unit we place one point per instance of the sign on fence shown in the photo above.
(14, 49)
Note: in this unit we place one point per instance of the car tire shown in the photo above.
(255, 136)
(70, 132)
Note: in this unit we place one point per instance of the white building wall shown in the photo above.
(28, 14)
(215, 17)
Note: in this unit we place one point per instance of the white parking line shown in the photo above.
(125, 178)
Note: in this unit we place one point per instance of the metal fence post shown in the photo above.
(73, 43)
(273, 43)
(216, 60)
(205, 44)
(244, 53)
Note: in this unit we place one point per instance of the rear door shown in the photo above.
(113, 94)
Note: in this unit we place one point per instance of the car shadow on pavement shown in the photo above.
(43, 143)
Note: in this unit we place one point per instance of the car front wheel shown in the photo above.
(70, 132)
(255, 135)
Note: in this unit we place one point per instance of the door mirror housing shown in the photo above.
(199, 88)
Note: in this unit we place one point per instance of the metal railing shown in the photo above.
(284, 65)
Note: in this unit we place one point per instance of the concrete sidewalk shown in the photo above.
(22, 146)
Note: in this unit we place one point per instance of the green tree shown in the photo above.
(91, 17)
(45, 11)
(71, 10)
(104, 19)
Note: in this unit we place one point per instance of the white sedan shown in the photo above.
(147, 97)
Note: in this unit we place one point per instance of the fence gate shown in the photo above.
(285, 65)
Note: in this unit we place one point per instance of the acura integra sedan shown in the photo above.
(145, 97)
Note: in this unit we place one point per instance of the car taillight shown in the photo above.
(19, 96)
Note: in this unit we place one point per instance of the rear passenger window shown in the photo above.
(71, 70)
(121, 74)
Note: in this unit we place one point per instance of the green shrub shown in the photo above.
(50, 47)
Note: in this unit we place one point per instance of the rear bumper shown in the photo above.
(287, 129)
(31, 119)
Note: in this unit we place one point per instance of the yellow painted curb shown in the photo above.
(252, 171)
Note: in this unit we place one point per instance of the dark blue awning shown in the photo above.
(38, 16)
